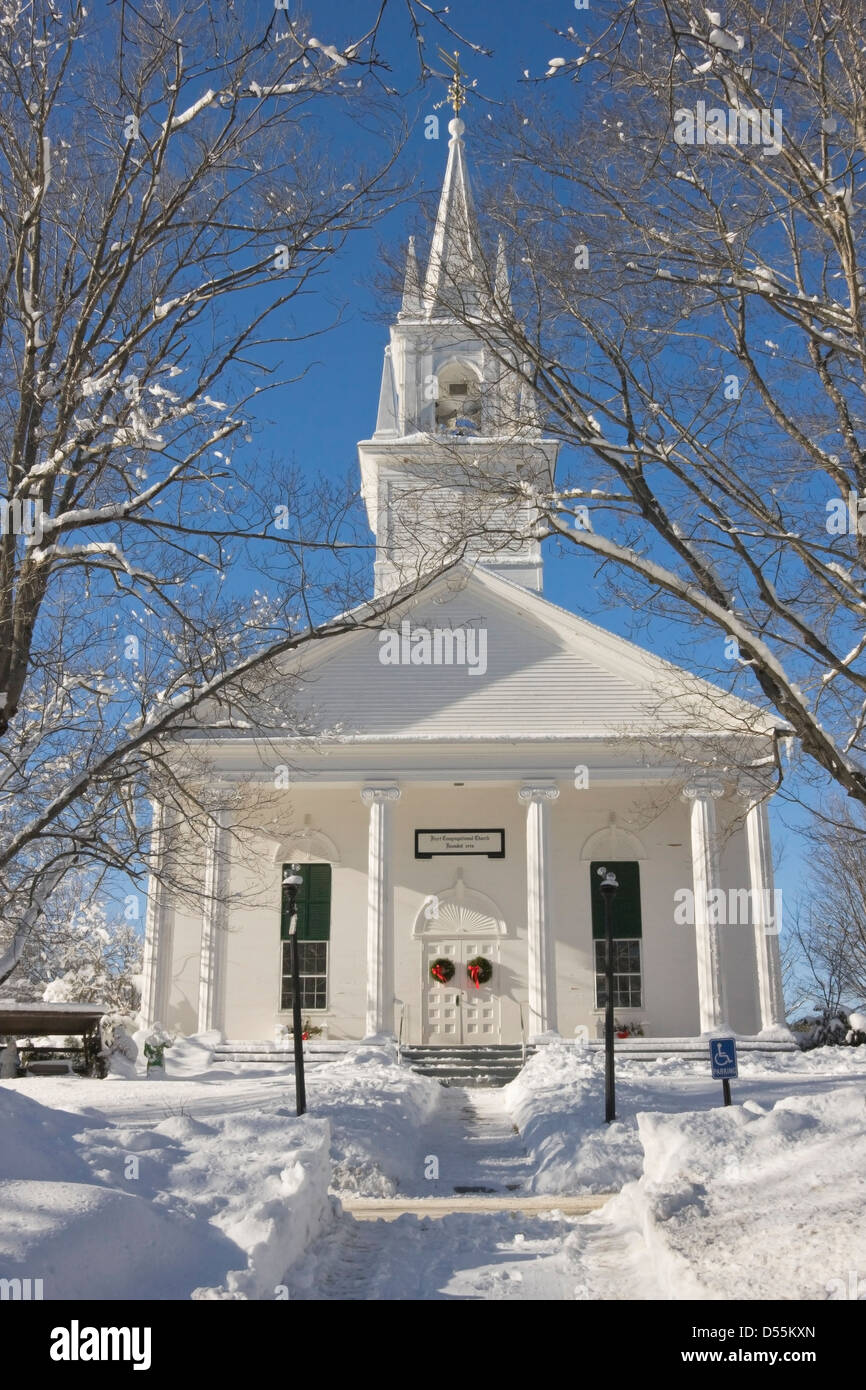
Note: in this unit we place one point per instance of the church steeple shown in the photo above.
(411, 306)
(455, 270)
(501, 285)
(457, 441)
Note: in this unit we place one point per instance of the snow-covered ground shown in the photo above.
(763, 1200)
(206, 1185)
(557, 1102)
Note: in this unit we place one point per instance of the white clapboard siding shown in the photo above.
(548, 673)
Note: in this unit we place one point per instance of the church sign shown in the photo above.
(430, 842)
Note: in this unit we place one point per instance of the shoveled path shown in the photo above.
(473, 1232)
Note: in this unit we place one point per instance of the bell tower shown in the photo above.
(448, 471)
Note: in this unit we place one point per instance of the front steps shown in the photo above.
(479, 1065)
(493, 1065)
(316, 1054)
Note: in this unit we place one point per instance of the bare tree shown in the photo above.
(164, 199)
(830, 935)
(688, 308)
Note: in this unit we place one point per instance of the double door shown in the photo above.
(458, 1012)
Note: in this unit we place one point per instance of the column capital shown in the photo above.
(703, 786)
(752, 787)
(373, 795)
(538, 791)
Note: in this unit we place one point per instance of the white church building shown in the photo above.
(457, 779)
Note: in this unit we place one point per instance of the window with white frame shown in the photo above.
(627, 980)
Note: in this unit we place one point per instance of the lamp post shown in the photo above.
(608, 888)
(292, 882)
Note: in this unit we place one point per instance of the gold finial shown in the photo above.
(457, 88)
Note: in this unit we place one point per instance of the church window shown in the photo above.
(314, 931)
(627, 933)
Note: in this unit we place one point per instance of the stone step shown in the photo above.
(507, 1073)
(473, 1065)
(276, 1054)
(478, 1081)
(471, 1053)
(470, 1058)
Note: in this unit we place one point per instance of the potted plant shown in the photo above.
(628, 1029)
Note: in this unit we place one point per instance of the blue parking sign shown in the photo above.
(723, 1058)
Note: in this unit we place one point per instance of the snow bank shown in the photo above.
(376, 1110)
(752, 1203)
(192, 1055)
(37, 1142)
(557, 1103)
(765, 1205)
(271, 1206)
(183, 1208)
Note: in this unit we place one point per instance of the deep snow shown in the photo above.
(206, 1184)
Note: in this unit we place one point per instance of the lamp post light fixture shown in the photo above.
(608, 888)
(292, 882)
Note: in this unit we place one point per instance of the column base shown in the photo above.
(777, 1032)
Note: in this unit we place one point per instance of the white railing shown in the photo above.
(400, 1035)
(522, 1036)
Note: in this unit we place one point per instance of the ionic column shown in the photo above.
(766, 918)
(212, 918)
(379, 800)
(703, 795)
(152, 1002)
(542, 997)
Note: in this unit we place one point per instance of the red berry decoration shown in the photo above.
(479, 970)
(442, 970)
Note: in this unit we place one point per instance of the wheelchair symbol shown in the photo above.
(723, 1058)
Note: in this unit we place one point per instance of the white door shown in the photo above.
(458, 1012)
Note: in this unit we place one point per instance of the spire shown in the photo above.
(411, 306)
(386, 420)
(501, 286)
(455, 268)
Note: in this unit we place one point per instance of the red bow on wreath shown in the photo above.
(439, 974)
(474, 971)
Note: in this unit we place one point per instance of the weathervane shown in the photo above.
(457, 88)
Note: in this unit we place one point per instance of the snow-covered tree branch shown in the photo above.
(688, 308)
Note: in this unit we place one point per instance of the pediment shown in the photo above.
(475, 656)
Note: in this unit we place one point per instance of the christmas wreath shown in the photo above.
(442, 970)
(479, 971)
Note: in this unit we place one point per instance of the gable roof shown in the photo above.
(529, 670)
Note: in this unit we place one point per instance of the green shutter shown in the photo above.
(625, 904)
(313, 903)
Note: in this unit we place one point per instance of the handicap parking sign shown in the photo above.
(723, 1058)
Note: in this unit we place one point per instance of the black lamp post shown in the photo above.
(608, 888)
(292, 882)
